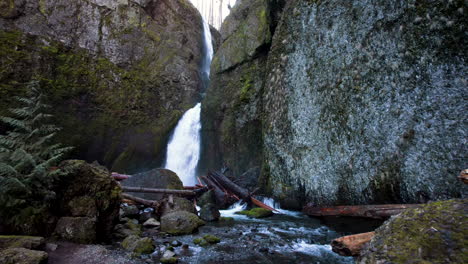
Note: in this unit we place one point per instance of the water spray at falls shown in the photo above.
(183, 150)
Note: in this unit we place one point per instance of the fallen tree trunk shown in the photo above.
(232, 187)
(186, 193)
(120, 177)
(368, 211)
(149, 203)
(351, 245)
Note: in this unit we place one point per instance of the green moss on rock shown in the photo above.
(23, 256)
(212, 239)
(138, 245)
(29, 242)
(434, 233)
(256, 213)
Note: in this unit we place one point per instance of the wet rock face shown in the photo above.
(118, 73)
(364, 101)
(434, 233)
(231, 110)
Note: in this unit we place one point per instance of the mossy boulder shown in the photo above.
(156, 178)
(209, 213)
(206, 240)
(28, 242)
(212, 239)
(138, 245)
(22, 256)
(206, 198)
(77, 229)
(180, 223)
(89, 190)
(256, 213)
(83, 206)
(129, 228)
(177, 204)
(434, 233)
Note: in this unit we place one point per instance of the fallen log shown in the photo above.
(236, 191)
(149, 203)
(120, 177)
(351, 245)
(368, 211)
(186, 193)
(232, 187)
(262, 205)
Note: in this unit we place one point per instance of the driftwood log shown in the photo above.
(185, 193)
(368, 211)
(120, 177)
(227, 191)
(351, 245)
(149, 203)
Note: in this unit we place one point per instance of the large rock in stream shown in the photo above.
(434, 233)
(119, 74)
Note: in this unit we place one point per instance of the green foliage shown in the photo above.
(26, 157)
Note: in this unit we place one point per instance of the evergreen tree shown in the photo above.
(27, 155)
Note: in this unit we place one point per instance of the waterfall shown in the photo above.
(183, 150)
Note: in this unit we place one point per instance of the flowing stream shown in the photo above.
(287, 237)
(183, 150)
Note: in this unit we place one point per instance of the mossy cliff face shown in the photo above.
(231, 110)
(119, 74)
(434, 233)
(363, 102)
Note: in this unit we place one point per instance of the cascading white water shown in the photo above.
(183, 150)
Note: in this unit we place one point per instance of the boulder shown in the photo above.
(130, 211)
(177, 204)
(433, 233)
(138, 245)
(128, 228)
(77, 229)
(180, 223)
(157, 179)
(169, 257)
(209, 213)
(83, 206)
(206, 198)
(150, 223)
(88, 190)
(22, 256)
(28, 242)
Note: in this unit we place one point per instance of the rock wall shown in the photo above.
(118, 73)
(364, 101)
(231, 111)
(359, 101)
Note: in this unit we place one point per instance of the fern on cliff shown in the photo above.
(27, 155)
